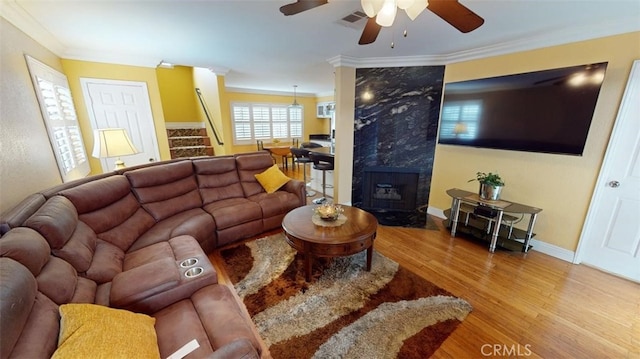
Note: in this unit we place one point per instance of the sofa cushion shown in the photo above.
(94, 195)
(181, 315)
(217, 178)
(40, 334)
(229, 323)
(194, 222)
(17, 215)
(129, 230)
(55, 221)
(248, 166)
(58, 280)
(166, 189)
(278, 203)
(109, 207)
(85, 291)
(107, 262)
(27, 247)
(272, 179)
(233, 211)
(17, 295)
(78, 251)
(95, 331)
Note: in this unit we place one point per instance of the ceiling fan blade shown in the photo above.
(370, 32)
(456, 14)
(300, 6)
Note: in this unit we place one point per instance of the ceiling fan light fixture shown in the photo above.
(371, 7)
(416, 8)
(405, 4)
(387, 14)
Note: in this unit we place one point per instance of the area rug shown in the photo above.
(344, 311)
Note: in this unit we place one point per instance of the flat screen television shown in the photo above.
(546, 111)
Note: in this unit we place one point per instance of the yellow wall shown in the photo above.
(177, 91)
(211, 87)
(561, 185)
(27, 161)
(75, 69)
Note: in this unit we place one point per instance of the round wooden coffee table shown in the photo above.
(353, 236)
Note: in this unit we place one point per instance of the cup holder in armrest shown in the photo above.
(190, 262)
(193, 272)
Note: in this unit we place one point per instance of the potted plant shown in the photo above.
(490, 185)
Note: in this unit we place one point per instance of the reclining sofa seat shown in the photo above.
(90, 241)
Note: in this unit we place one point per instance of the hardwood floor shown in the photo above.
(524, 305)
(528, 305)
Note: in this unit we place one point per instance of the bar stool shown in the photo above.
(310, 145)
(324, 163)
(300, 155)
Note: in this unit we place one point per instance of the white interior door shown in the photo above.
(611, 236)
(123, 104)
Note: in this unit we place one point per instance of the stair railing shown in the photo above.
(206, 113)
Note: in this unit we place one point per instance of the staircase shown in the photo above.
(189, 142)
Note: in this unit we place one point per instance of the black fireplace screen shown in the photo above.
(390, 188)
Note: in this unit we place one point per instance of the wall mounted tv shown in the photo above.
(546, 111)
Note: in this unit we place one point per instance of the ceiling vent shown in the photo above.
(355, 20)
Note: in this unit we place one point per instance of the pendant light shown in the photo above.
(295, 99)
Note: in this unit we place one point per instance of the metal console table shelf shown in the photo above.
(469, 202)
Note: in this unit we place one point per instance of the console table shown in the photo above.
(492, 211)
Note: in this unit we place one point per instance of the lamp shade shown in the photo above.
(112, 142)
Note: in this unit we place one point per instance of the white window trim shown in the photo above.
(252, 137)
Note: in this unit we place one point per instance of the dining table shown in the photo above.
(283, 151)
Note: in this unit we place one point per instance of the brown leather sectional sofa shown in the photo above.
(138, 239)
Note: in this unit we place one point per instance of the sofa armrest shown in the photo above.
(135, 285)
(298, 188)
(237, 349)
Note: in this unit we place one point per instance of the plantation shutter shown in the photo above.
(61, 121)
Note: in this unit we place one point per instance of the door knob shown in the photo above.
(614, 184)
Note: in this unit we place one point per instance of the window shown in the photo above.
(253, 121)
(56, 104)
(460, 120)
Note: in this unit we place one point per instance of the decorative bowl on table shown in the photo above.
(328, 211)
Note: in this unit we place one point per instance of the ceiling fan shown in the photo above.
(451, 11)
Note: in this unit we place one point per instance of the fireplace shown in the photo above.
(389, 188)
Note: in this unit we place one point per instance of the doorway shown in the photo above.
(610, 238)
(122, 104)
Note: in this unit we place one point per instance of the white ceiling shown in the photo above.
(260, 49)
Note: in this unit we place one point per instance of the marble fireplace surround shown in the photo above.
(396, 124)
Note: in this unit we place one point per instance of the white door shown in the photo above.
(611, 236)
(123, 104)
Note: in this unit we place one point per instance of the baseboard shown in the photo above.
(174, 125)
(539, 246)
(553, 250)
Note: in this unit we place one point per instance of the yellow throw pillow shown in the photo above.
(96, 331)
(272, 179)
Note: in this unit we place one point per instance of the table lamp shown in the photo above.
(112, 142)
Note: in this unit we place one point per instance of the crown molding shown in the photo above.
(11, 11)
(555, 38)
(268, 92)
